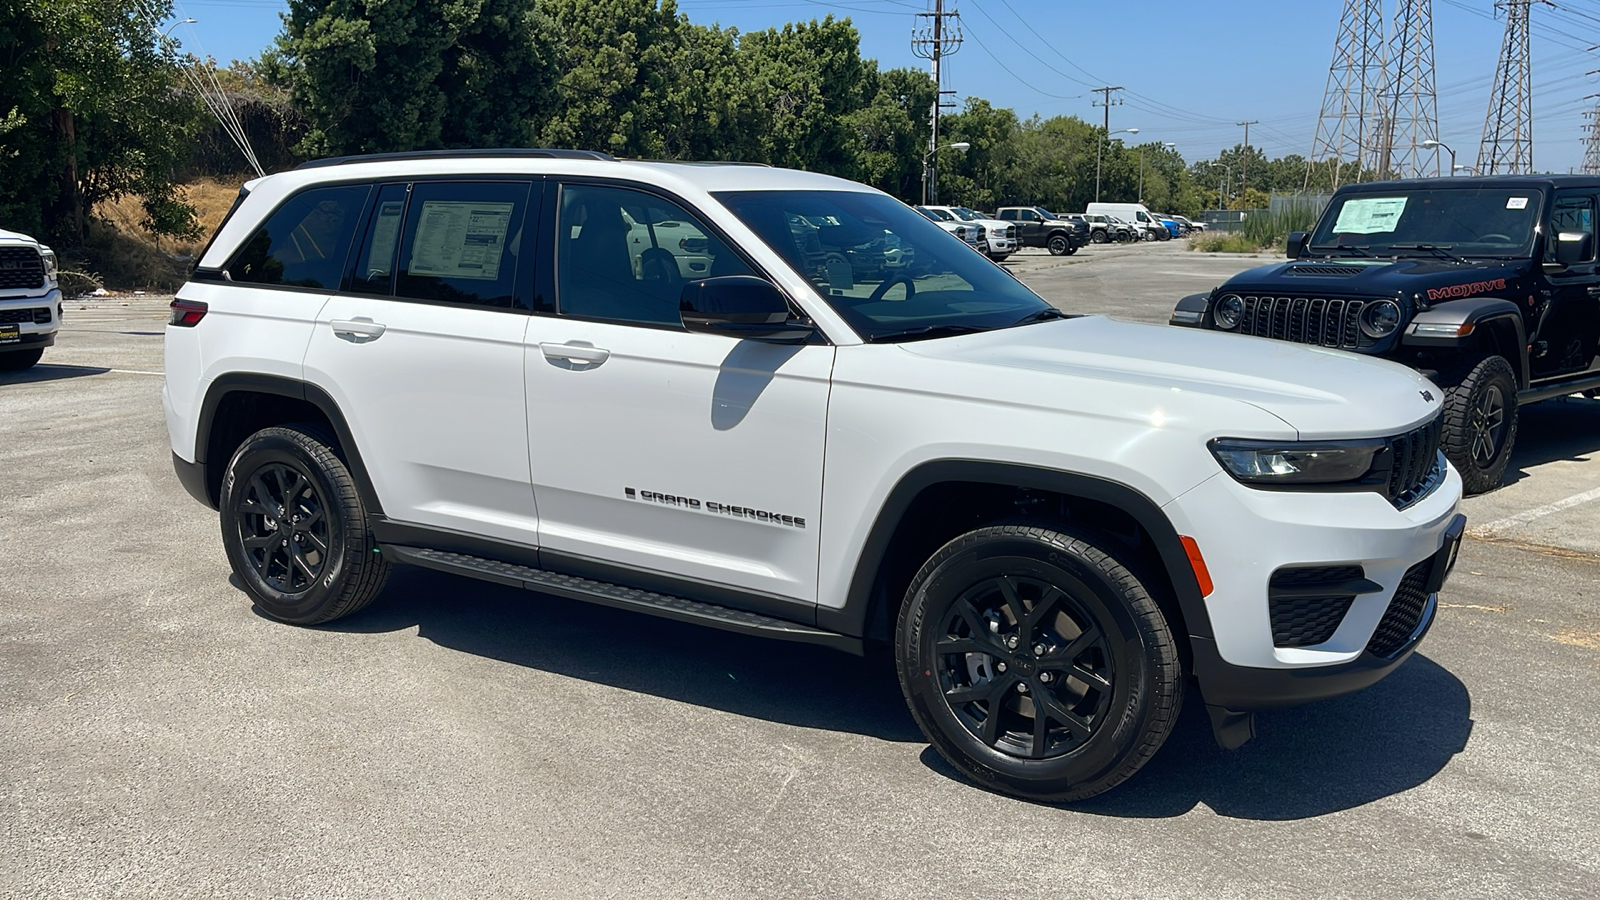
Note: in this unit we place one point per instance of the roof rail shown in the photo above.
(476, 153)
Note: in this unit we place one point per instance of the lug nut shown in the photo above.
(1022, 688)
(1012, 642)
(1000, 667)
(1038, 649)
(1046, 677)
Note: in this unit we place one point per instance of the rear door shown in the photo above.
(423, 352)
(1567, 323)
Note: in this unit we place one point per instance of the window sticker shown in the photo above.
(1517, 203)
(1370, 215)
(385, 233)
(460, 239)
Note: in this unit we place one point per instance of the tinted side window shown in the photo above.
(1008, 214)
(372, 268)
(304, 243)
(624, 255)
(461, 242)
(1571, 213)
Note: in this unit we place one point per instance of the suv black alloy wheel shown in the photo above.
(1480, 423)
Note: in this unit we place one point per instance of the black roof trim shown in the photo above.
(477, 153)
(1581, 181)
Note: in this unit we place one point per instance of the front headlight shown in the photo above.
(1379, 320)
(49, 263)
(1229, 311)
(1288, 462)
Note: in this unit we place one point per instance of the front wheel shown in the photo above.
(18, 360)
(295, 529)
(1480, 423)
(1098, 237)
(1058, 244)
(1036, 663)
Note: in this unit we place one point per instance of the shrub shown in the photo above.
(1223, 242)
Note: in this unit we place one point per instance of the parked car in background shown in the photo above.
(1169, 223)
(1136, 215)
(1188, 226)
(30, 301)
(973, 233)
(1107, 228)
(1038, 227)
(999, 237)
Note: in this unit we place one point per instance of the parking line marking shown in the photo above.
(1538, 512)
(136, 372)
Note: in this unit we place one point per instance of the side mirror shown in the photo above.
(1573, 247)
(739, 306)
(1296, 244)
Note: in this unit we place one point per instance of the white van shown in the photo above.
(1134, 214)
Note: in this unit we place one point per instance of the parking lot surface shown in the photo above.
(459, 739)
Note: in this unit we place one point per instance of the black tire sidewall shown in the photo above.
(20, 360)
(277, 446)
(1461, 399)
(1098, 237)
(952, 573)
(1057, 245)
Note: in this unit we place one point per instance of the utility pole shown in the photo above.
(1408, 103)
(1105, 134)
(1244, 166)
(1350, 100)
(1507, 145)
(932, 40)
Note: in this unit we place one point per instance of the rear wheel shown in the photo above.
(1058, 245)
(295, 528)
(1480, 423)
(1097, 237)
(1036, 663)
(17, 360)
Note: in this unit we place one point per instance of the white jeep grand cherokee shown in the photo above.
(30, 302)
(1061, 524)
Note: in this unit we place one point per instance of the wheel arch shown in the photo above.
(1497, 327)
(978, 492)
(239, 404)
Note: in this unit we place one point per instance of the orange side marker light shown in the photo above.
(1197, 562)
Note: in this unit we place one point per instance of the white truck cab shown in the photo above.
(451, 360)
(30, 301)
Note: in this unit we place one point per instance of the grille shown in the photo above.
(1414, 467)
(38, 316)
(1307, 604)
(1330, 271)
(20, 267)
(1328, 323)
(1405, 612)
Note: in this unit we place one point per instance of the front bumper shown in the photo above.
(1002, 245)
(30, 334)
(1246, 535)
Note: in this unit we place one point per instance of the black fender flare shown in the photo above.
(853, 618)
(277, 385)
(1481, 313)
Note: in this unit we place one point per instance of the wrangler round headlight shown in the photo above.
(1289, 463)
(1229, 311)
(1379, 320)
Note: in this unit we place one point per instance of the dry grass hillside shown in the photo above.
(124, 256)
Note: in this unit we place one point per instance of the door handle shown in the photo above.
(575, 353)
(357, 329)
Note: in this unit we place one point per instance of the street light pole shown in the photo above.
(958, 146)
(1097, 146)
(1431, 144)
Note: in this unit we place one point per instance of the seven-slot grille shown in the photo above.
(37, 316)
(1303, 320)
(1413, 457)
(1404, 615)
(20, 267)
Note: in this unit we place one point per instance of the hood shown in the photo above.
(1427, 279)
(12, 236)
(1322, 394)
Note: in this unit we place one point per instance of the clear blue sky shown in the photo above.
(1192, 69)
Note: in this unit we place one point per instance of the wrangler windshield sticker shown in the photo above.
(1370, 215)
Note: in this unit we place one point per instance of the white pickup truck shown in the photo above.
(30, 302)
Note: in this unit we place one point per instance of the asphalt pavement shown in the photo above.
(160, 738)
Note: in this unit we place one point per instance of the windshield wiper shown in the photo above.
(925, 331)
(1355, 249)
(1442, 250)
(1043, 315)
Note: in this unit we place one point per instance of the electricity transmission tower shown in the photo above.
(1507, 146)
(1591, 141)
(933, 40)
(1408, 102)
(1350, 106)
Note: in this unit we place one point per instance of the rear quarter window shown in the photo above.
(304, 242)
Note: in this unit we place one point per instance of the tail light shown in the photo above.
(187, 313)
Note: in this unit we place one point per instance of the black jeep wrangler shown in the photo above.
(1038, 227)
(1486, 285)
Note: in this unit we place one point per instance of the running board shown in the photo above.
(1586, 382)
(607, 594)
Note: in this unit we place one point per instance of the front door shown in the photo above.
(1568, 317)
(655, 450)
(423, 353)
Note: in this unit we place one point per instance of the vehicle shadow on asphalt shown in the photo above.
(47, 372)
(1306, 761)
(778, 681)
(1567, 428)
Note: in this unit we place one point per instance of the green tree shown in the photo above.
(812, 79)
(892, 132)
(91, 109)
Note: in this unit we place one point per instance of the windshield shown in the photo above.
(891, 274)
(968, 215)
(938, 215)
(1469, 221)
